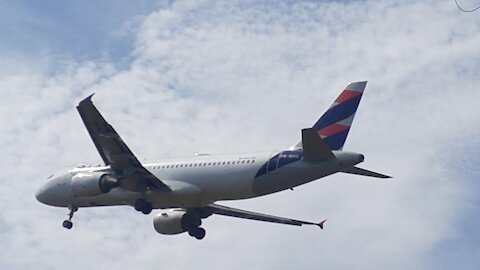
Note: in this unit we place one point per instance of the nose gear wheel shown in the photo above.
(68, 224)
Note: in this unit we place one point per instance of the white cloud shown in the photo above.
(226, 77)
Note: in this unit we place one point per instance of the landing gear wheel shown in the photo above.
(200, 233)
(67, 224)
(143, 206)
(138, 205)
(147, 208)
(197, 232)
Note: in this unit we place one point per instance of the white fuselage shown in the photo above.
(203, 179)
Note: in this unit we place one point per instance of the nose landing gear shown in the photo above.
(67, 224)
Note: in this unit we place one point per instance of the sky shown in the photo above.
(179, 77)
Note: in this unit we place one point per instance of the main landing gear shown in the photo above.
(67, 224)
(143, 206)
(191, 222)
(197, 232)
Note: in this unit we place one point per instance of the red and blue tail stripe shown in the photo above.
(335, 123)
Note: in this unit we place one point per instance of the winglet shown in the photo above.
(321, 223)
(89, 98)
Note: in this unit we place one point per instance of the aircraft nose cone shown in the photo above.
(40, 196)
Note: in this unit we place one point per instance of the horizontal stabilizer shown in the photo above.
(314, 148)
(360, 171)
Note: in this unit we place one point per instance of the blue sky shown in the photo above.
(74, 30)
(195, 76)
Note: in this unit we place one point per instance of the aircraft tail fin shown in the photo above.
(334, 125)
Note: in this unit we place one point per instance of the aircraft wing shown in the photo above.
(238, 213)
(113, 150)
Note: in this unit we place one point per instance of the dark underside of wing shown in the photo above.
(113, 149)
(238, 213)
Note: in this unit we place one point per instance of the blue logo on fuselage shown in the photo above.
(279, 160)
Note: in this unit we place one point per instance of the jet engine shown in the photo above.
(175, 222)
(92, 184)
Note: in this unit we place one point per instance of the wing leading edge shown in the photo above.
(113, 149)
(238, 213)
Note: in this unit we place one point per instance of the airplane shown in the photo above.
(188, 189)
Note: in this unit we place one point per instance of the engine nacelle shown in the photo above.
(175, 222)
(91, 184)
